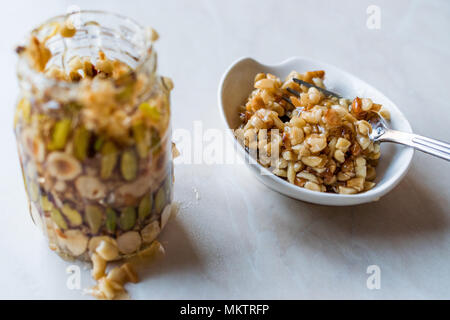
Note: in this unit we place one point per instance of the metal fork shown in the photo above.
(382, 133)
(308, 85)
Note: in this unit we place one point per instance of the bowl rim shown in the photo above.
(333, 198)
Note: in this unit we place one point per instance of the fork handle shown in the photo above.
(434, 147)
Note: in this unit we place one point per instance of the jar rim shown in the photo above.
(40, 76)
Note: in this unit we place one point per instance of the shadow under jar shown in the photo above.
(93, 131)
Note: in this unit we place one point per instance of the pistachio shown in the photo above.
(75, 241)
(57, 217)
(81, 142)
(109, 159)
(90, 187)
(125, 93)
(145, 207)
(95, 242)
(72, 215)
(46, 205)
(94, 216)
(150, 232)
(150, 111)
(60, 133)
(142, 139)
(63, 166)
(129, 242)
(127, 218)
(72, 107)
(111, 219)
(160, 200)
(129, 165)
(98, 144)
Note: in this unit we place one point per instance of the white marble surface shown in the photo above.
(239, 239)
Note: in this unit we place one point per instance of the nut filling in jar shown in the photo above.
(93, 132)
(312, 140)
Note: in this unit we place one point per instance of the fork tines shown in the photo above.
(287, 100)
(309, 85)
(294, 92)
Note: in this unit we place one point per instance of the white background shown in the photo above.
(240, 239)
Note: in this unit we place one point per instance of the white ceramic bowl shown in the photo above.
(236, 85)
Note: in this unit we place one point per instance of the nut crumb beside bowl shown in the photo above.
(248, 107)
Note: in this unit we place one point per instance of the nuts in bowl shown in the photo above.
(311, 139)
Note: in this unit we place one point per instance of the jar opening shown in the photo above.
(118, 37)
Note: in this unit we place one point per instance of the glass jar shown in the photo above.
(92, 125)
